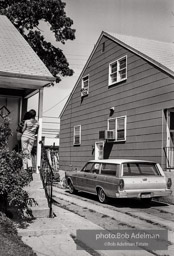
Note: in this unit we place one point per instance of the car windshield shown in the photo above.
(140, 169)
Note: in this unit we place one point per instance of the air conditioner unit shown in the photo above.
(84, 92)
(110, 134)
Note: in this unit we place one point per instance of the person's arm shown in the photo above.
(25, 126)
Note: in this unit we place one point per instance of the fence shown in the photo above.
(46, 172)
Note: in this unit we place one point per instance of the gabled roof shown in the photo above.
(18, 59)
(160, 54)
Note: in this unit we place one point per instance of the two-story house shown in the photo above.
(122, 105)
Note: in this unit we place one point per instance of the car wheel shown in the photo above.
(101, 196)
(71, 187)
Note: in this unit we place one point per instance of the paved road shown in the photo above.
(122, 214)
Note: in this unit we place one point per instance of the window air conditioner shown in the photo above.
(84, 92)
(110, 134)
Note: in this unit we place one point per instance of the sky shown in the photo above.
(152, 19)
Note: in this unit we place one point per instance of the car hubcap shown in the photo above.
(101, 195)
(71, 187)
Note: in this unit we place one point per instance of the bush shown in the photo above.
(13, 178)
(10, 242)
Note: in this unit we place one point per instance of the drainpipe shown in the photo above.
(39, 136)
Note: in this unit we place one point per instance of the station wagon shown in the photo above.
(117, 178)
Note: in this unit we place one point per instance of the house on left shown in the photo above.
(22, 74)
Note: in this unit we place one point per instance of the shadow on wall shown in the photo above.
(107, 149)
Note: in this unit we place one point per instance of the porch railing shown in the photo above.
(169, 155)
(46, 172)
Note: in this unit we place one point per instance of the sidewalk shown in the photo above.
(54, 236)
(57, 236)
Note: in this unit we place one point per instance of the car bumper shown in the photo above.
(143, 194)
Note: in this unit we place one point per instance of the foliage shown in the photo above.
(26, 15)
(10, 243)
(12, 177)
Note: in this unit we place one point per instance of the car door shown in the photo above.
(93, 177)
(84, 177)
(108, 179)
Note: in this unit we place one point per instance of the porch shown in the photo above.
(22, 75)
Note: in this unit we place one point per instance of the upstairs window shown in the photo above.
(77, 135)
(118, 127)
(118, 70)
(85, 86)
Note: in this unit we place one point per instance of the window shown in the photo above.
(140, 169)
(110, 169)
(77, 135)
(88, 167)
(118, 125)
(85, 86)
(91, 168)
(118, 70)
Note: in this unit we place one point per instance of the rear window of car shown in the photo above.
(140, 169)
(110, 169)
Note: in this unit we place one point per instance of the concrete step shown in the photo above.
(37, 192)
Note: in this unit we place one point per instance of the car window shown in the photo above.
(138, 169)
(110, 169)
(95, 168)
(88, 167)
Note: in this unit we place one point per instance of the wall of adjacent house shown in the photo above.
(143, 97)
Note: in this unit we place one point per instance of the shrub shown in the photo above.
(13, 178)
(10, 243)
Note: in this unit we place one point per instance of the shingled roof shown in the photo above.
(161, 54)
(17, 58)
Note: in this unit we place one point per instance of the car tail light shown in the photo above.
(169, 183)
(121, 185)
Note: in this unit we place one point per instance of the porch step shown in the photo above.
(36, 191)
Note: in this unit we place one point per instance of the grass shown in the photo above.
(10, 243)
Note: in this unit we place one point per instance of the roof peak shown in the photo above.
(132, 36)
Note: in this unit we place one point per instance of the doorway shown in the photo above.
(99, 150)
(10, 107)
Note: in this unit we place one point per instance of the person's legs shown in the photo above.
(30, 146)
(24, 144)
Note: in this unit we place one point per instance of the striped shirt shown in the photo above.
(31, 127)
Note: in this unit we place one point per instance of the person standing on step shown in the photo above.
(19, 130)
(27, 140)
